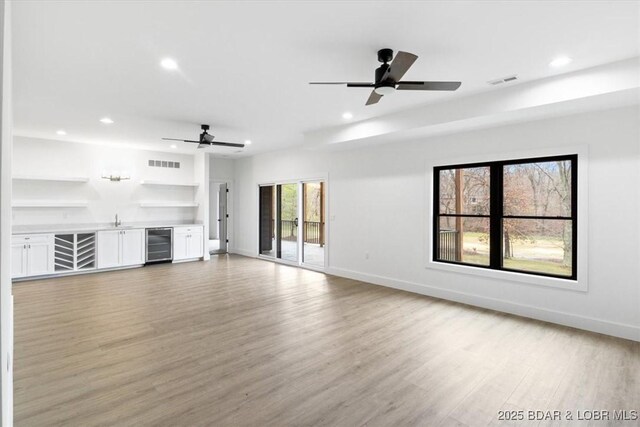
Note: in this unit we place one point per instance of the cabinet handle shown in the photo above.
(29, 246)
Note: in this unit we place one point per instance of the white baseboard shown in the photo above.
(243, 252)
(615, 329)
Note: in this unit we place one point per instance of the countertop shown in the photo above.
(87, 228)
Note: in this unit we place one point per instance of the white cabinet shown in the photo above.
(132, 247)
(32, 255)
(109, 248)
(18, 260)
(119, 248)
(188, 243)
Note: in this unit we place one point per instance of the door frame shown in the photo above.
(230, 189)
(298, 181)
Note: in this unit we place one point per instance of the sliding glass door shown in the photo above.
(288, 222)
(267, 214)
(313, 233)
(292, 222)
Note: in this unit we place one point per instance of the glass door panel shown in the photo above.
(287, 236)
(313, 232)
(267, 223)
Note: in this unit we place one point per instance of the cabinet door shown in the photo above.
(195, 244)
(40, 258)
(109, 249)
(180, 246)
(18, 260)
(132, 248)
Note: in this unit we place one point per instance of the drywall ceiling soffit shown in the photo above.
(604, 87)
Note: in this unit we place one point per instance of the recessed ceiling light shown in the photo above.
(169, 64)
(247, 142)
(106, 120)
(173, 146)
(347, 115)
(560, 61)
(61, 132)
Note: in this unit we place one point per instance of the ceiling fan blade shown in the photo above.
(227, 144)
(400, 64)
(373, 98)
(349, 84)
(328, 83)
(428, 85)
(181, 140)
(203, 144)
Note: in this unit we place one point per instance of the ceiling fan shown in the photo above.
(206, 140)
(388, 75)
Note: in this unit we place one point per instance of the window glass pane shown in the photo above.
(268, 220)
(464, 191)
(543, 246)
(464, 239)
(538, 189)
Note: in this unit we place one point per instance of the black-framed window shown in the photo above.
(515, 215)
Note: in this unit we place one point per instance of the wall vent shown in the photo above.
(164, 164)
(502, 80)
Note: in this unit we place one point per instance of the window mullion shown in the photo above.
(496, 207)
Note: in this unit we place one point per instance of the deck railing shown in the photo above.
(313, 232)
(448, 245)
(288, 230)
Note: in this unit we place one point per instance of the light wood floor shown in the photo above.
(239, 341)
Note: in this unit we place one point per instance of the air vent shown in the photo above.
(503, 80)
(164, 164)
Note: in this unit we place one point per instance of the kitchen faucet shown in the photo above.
(118, 222)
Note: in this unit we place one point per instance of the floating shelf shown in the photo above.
(169, 184)
(51, 178)
(169, 204)
(48, 204)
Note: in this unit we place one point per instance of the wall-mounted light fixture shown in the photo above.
(116, 176)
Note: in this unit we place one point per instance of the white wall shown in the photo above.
(6, 297)
(378, 205)
(57, 158)
(221, 169)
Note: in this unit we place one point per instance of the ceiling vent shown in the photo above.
(503, 80)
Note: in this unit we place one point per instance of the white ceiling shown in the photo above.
(244, 66)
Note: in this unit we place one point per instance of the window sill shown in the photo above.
(510, 276)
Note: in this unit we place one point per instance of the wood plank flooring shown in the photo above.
(244, 342)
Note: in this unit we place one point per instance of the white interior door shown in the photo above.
(222, 217)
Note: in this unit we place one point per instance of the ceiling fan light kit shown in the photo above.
(388, 75)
